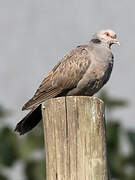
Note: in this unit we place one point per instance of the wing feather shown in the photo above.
(65, 75)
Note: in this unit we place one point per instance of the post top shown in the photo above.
(90, 98)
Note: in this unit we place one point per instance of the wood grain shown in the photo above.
(75, 142)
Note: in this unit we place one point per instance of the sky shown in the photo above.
(36, 34)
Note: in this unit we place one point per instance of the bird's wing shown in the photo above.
(63, 77)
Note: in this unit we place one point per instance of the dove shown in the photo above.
(82, 72)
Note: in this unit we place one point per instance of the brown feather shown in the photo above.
(38, 100)
(65, 75)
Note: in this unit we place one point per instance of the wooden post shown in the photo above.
(75, 144)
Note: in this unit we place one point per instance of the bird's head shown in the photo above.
(107, 36)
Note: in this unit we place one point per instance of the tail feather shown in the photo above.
(29, 121)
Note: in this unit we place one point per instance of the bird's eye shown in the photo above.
(107, 34)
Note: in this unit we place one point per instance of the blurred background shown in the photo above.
(34, 35)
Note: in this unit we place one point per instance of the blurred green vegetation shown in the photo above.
(29, 149)
(24, 149)
(121, 164)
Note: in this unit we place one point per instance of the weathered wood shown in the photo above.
(75, 141)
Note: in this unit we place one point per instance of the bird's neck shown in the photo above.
(100, 50)
(97, 42)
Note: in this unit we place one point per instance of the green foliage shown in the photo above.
(122, 166)
(131, 137)
(35, 169)
(33, 141)
(8, 147)
(14, 148)
(111, 102)
(115, 157)
(3, 177)
(3, 112)
(113, 139)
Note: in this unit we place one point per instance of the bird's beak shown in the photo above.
(116, 42)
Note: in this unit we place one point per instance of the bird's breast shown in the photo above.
(97, 76)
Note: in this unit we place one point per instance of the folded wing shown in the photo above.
(64, 76)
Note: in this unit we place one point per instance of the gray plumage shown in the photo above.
(83, 71)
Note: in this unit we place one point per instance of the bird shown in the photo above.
(81, 72)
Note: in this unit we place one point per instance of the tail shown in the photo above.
(29, 121)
